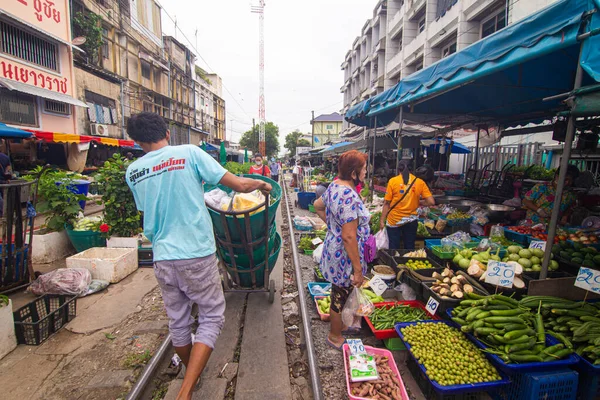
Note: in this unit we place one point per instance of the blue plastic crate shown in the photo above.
(517, 237)
(589, 380)
(549, 385)
(453, 389)
(312, 285)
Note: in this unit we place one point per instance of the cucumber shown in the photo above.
(483, 315)
(483, 331)
(507, 320)
(459, 321)
(516, 334)
(514, 348)
(507, 313)
(512, 327)
(477, 324)
(471, 316)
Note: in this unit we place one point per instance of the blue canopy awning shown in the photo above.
(457, 148)
(502, 78)
(210, 147)
(333, 147)
(13, 133)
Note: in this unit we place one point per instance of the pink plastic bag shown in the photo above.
(70, 281)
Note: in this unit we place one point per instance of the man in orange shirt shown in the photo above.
(405, 193)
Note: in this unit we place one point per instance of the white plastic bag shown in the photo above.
(70, 281)
(357, 305)
(381, 238)
(318, 253)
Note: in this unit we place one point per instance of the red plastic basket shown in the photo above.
(391, 333)
(374, 351)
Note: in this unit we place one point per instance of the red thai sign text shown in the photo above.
(32, 77)
(43, 9)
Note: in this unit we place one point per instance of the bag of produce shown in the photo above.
(357, 305)
(497, 231)
(381, 240)
(69, 281)
(440, 225)
(318, 253)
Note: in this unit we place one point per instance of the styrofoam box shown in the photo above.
(109, 264)
(8, 339)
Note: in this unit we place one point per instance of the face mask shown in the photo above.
(258, 162)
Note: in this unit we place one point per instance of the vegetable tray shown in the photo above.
(453, 389)
(532, 366)
(445, 303)
(374, 351)
(519, 238)
(311, 288)
(324, 317)
(391, 333)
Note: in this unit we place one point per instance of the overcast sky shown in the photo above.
(305, 44)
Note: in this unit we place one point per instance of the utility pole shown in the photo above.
(312, 122)
(260, 10)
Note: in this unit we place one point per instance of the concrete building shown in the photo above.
(405, 36)
(37, 89)
(127, 72)
(326, 129)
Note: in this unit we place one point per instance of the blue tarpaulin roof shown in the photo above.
(502, 78)
(335, 146)
(14, 133)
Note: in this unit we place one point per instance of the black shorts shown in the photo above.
(339, 296)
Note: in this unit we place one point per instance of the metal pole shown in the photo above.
(564, 163)
(477, 150)
(312, 123)
(313, 366)
(400, 123)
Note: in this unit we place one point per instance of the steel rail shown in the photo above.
(140, 385)
(313, 367)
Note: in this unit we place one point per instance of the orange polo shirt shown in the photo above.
(410, 203)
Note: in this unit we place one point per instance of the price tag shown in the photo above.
(317, 241)
(588, 279)
(500, 274)
(432, 306)
(356, 346)
(378, 285)
(538, 244)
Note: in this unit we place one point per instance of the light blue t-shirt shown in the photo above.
(167, 187)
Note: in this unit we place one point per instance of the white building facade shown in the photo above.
(405, 36)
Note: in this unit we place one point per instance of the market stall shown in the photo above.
(507, 331)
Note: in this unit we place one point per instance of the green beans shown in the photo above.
(386, 317)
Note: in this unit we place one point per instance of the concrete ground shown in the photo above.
(98, 354)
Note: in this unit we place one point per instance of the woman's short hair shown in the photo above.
(351, 161)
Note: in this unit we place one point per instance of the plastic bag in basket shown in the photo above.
(69, 281)
(357, 305)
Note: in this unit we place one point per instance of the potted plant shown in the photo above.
(121, 217)
(60, 204)
(8, 339)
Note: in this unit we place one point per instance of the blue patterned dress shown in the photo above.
(343, 205)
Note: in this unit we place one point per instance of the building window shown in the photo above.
(145, 69)
(17, 108)
(493, 24)
(329, 127)
(421, 25)
(448, 49)
(105, 47)
(57, 107)
(22, 44)
(419, 65)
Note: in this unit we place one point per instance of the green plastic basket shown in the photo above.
(309, 252)
(311, 208)
(394, 344)
(449, 255)
(83, 240)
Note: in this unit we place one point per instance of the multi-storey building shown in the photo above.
(326, 129)
(405, 36)
(37, 89)
(128, 71)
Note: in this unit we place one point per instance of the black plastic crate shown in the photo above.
(43, 317)
(430, 393)
(415, 283)
(145, 256)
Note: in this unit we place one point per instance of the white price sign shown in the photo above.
(432, 306)
(378, 285)
(356, 346)
(500, 274)
(588, 279)
(538, 244)
(316, 241)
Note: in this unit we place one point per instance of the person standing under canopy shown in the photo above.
(405, 193)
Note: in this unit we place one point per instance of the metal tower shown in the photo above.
(260, 10)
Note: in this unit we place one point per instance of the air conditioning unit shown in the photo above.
(99, 129)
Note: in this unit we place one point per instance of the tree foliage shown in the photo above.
(89, 26)
(250, 139)
(294, 140)
(120, 211)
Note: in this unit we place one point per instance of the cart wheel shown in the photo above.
(271, 291)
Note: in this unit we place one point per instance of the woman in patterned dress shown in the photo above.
(343, 263)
